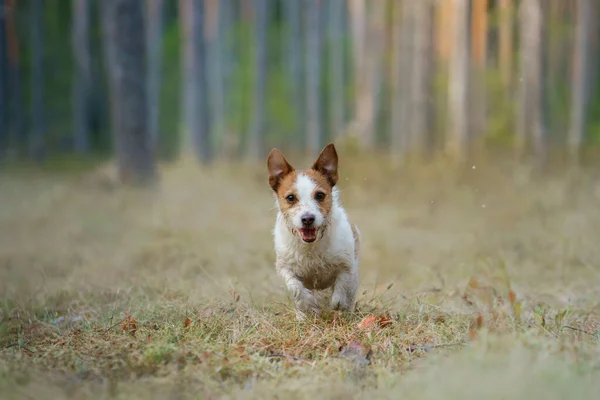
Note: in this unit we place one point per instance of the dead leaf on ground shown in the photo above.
(372, 321)
(512, 297)
(129, 325)
(472, 334)
(473, 283)
(187, 322)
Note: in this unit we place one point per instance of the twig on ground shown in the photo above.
(580, 330)
(110, 327)
(284, 356)
(434, 346)
(8, 346)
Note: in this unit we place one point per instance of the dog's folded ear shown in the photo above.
(327, 164)
(278, 168)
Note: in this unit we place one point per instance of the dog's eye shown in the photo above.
(290, 198)
(320, 196)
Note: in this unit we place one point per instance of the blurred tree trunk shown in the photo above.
(363, 102)
(127, 71)
(506, 42)
(313, 76)
(3, 82)
(477, 98)
(293, 13)
(227, 59)
(154, 35)
(336, 66)
(256, 140)
(194, 83)
(37, 138)
(82, 78)
(421, 77)
(215, 70)
(457, 137)
(580, 80)
(529, 110)
(368, 27)
(110, 59)
(399, 79)
(14, 111)
(444, 24)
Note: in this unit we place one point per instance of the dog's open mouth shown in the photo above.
(308, 235)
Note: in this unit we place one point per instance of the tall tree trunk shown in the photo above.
(529, 111)
(214, 16)
(82, 78)
(128, 75)
(37, 138)
(194, 83)
(293, 13)
(110, 59)
(398, 78)
(477, 98)
(580, 80)
(256, 144)
(15, 108)
(336, 66)
(444, 23)
(3, 83)
(420, 89)
(313, 76)
(154, 34)
(456, 141)
(506, 41)
(368, 33)
(363, 102)
(227, 58)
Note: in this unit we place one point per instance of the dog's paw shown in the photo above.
(341, 302)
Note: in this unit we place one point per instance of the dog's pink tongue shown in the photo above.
(308, 234)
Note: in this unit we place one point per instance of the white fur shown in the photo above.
(305, 188)
(330, 260)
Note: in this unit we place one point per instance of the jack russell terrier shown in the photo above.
(315, 242)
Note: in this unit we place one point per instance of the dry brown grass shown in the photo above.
(487, 281)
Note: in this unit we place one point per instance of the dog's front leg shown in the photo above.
(344, 291)
(304, 300)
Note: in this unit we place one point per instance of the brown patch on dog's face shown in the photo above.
(286, 189)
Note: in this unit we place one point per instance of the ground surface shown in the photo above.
(483, 286)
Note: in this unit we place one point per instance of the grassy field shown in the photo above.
(484, 284)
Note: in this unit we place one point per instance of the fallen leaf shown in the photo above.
(187, 322)
(539, 319)
(517, 309)
(472, 334)
(367, 322)
(479, 321)
(473, 283)
(558, 320)
(129, 324)
(373, 321)
(384, 321)
(512, 297)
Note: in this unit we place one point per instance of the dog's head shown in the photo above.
(304, 197)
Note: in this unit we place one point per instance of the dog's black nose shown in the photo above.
(308, 219)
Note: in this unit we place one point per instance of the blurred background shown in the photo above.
(226, 79)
